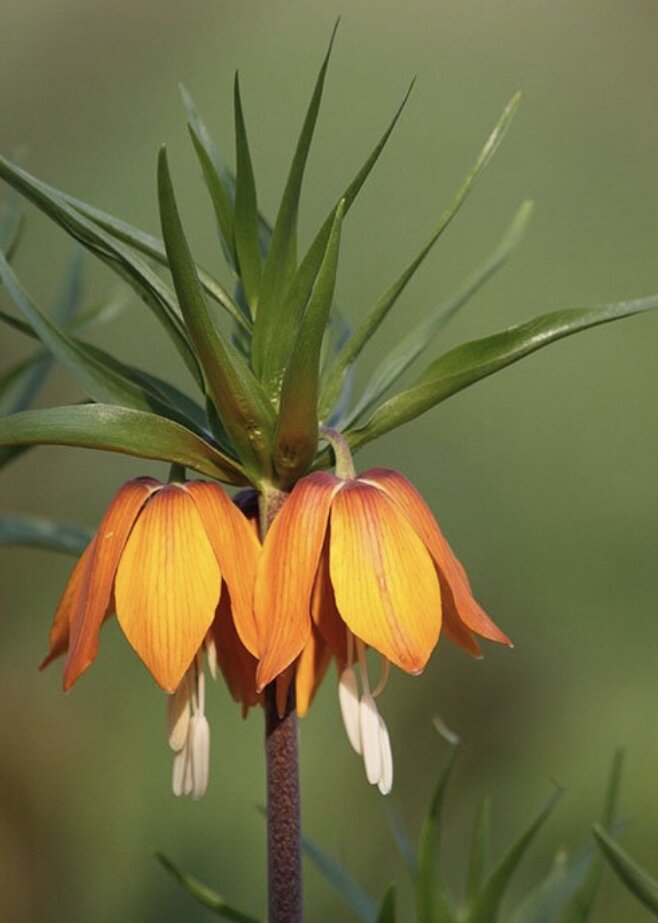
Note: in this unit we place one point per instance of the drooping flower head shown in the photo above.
(361, 562)
(177, 563)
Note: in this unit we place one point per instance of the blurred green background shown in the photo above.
(544, 478)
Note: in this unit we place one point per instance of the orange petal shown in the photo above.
(385, 583)
(286, 573)
(168, 585)
(420, 516)
(68, 604)
(326, 617)
(96, 595)
(236, 663)
(311, 666)
(237, 549)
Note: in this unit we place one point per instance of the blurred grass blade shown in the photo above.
(479, 856)
(486, 906)
(246, 209)
(241, 404)
(118, 429)
(11, 224)
(431, 900)
(296, 437)
(636, 879)
(39, 532)
(209, 160)
(270, 342)
(203, 894)
(412, 345)
(582, 902)
(402, 840)
(341, 880)
(544, 902)
(387, 910)
(122, 260)
(470, 362)
(302, 283)
(380, 309)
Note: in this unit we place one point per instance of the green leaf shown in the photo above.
(479, 857)
(11, 224)
(203, 894)
(412, 345)
(337, 875)
(636, 879)
(121, 259)
(296, 437)
(580, 907)
(302, 283)
(470, 362)
(431, 900)
(544, 902)
(244, 410)
(209, 160)
(246, 210)
(118, 429)
(380, 309)
(387, 910)
(269, 342)
(486, 906)
(402, 840)
(38, 532)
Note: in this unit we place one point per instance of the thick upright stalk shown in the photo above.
(284, 861)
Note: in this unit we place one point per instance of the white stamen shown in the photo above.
(365, 679)
(178, 715)
(348, 696)
(211, 656)
(201, 689)
(385, 783)
(199, 745)
(187, 775)
(370, 734)
(383, 679)
(178, 772)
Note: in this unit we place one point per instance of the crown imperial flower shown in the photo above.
(176, 562)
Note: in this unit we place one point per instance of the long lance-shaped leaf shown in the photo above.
(479, 857)
(246, 209)
(380, 309)
(354, 895)
(211, 167)
(387, 910)
(281, 261)
(472, 361)
(637, 880)
(203, 894)
(296, 438)
(300, 288)
(100, 381)
(118, 429)
(243, 408)
(39, 532)
(121, 259)
(11, 224)
(402, 840)
(486, 906)
(415, 342)
(431, 900)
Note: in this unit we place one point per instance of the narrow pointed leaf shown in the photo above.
(431, 900)
(380, 309)
(39, 532)
(11, 224)
(121, 259)
(297, 431)
(387, 910)
(479, 857)
(544, 902)
(414, 343)
(269, 343)
(203, 894)
(118, 429)
(486, 906)
(637, 880)
(354, 895)
(246, 210)
(240, 402)
(402, 840)
(470, 362)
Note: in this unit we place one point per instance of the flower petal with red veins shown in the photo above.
(326, 617)
(385, 583)
(311, 666)
(95, 598)
(237, 550)
(238, 666)
(286, 573)
(167, 586)
(420, 516)
(58, 639)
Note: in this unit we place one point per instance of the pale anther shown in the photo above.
(385, 783)
(348, 696)
(370, 735)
